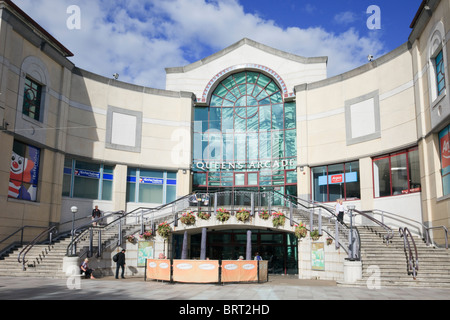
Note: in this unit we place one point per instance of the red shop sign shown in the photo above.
(337, 178)
(445, 151)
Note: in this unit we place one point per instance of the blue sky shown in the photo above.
(140, 38)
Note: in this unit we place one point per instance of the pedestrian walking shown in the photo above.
(119, 259)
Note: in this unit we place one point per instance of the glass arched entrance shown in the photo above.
(246, 137)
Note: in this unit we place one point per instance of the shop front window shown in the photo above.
(87, 180)
(337, 181)
(444, 146)
(24, 172)
(397, 173)
(151, 186)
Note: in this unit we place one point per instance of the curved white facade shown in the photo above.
(91, 127)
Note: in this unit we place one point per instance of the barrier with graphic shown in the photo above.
(158, 269)
(207, 271)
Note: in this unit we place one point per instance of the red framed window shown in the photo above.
(396, 173)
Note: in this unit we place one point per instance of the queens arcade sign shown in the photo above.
(249, 166)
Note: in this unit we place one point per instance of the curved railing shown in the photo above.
(345, 237)
(389, 232)
(419, 226)
(411, 256)
(21, 258)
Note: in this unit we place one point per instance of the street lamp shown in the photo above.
(74, 210)
(351, 246)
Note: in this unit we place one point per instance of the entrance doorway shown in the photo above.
(278, 248)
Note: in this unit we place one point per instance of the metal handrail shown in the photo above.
(118, 220)
(29, 246)
(330, 210)
(389, 232)
(403, 219)
(22, 229)
(412, 260)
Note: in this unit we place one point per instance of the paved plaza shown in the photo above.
(278, 288)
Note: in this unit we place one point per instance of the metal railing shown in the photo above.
(141, 216)
(21, 241)
(412, 224)
(411, 256)
(21, 258)
(389, 232)
(345, 237)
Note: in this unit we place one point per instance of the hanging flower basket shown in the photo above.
(314, 235)
(204, 215)
(300, 231)
(264, 214)
(131, 238)
(278, 219)
(164, 229)
(329, 241)
(243, 215)
(146, 235)
(188, 218)
(222, 215)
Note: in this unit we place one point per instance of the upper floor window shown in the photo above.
(397, 173)
(440, 73)
(32, 99)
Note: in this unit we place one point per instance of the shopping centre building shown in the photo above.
(249, 117)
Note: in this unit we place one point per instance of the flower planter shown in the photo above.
(222, 215)
(243, 215)
(187, 218)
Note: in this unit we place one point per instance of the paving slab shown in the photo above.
(278, 288)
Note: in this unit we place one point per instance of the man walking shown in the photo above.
(120, 263)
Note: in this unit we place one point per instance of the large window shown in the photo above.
(396, 173)
(337, 181)
(151, 186)
(24, 172)
(440, 73)
(32, 99)
(444, 143)
(87, 180)
(247, 136)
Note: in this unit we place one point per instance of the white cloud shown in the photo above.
(139, 38)
(346, 17)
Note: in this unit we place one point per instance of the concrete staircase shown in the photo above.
(42, 260)
(390, 262)
(46, 260)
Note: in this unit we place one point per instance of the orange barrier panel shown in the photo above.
(158, 269)
(242, 270)
(197, 271)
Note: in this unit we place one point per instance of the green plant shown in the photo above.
(188, 218)
(300, 231)
(314, 234)
(278, 219)
(204, 215)
(264, 214)
(222, 215)
(243, 215)
(164, 229)
(329, 241)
